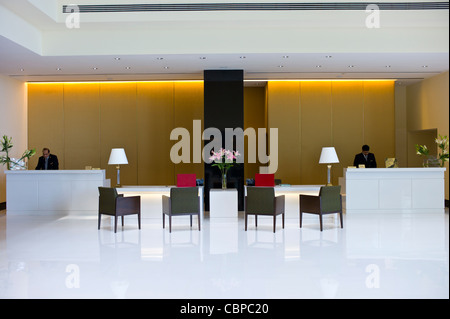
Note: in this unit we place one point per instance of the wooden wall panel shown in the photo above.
(315, 102)
(82, 125)
(46, 121)
(379, 119)
(118, 129)
(284, 113)
(154, 124)
(254, 117)
(348, 123)
(188, 106)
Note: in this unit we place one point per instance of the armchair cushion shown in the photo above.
(184, 200)
(260, 200)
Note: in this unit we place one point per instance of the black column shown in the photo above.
(224, 108)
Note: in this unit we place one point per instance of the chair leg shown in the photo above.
(99, 219)
(342, 222)
(139, 220)
(321, 223)
(198, 217)
(122, 220)
(274, 222)
(191, 219)
(115, 224)
(282, 219)
(170, 223)
(245, 218)
(164, 220)
(301, 215)
(256, 220)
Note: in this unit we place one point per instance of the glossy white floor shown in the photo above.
(373, 256)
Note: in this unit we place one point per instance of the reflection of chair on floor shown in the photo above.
(329, 201)
(262, 201)
(112, 204)
(182, 201)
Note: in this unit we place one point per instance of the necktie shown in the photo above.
(46, 162)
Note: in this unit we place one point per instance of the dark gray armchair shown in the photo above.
(112, 204)
(329, 201)
(262, 201)
(182, 201)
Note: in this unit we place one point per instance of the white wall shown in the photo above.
(13, 120)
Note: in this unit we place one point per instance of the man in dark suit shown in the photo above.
(365, 158)
(47, 161)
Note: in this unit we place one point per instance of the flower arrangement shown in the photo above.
(13, 163)
(442, 143)
(443, 155)
(224, 160)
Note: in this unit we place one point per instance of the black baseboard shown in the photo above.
(446, 203)
(3, 206)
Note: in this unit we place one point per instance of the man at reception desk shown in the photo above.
(365, 158)
(47, 161)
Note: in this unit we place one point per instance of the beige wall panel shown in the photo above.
(82, 125)
(188, 106)
(347, 124)
(283, 111)
(118, 129)
(254, 117)
(379, 119)
(316, 129)
(46, 121)
(154, 124)
(428, 108)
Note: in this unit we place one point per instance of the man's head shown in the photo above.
(45, 152)
(365, 149)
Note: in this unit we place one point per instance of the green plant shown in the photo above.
(7, 145)
(442, 143)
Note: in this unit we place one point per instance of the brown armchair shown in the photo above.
(113, 204)
(182, 201)
(329, 201)
(262, 201)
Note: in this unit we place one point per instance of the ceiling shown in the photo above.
(40, 42)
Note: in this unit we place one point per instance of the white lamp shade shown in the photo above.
(328, 156)
(117, 157)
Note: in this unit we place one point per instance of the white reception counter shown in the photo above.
(395, 189)
(53, 191)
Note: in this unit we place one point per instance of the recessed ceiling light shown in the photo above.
(318, 66)
(159, 58)
(281, 66)
(166, 67)
(202, 58)
(285, 56)
(94, 68)
(117, 59)
(242, 57)
(58, 69)
(388, 66)
(21, 70)
(127, 67)
(424, 66)
(328, 56)
(351, 66)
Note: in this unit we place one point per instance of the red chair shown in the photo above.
(186, 180)
(267, 180)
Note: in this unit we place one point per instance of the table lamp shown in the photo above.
(328, 156)
(117, 157)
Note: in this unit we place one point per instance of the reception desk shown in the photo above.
(292, 197)
(394, 189)
(151, 199)
(53, 191)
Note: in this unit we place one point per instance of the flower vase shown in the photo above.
(224, 181)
